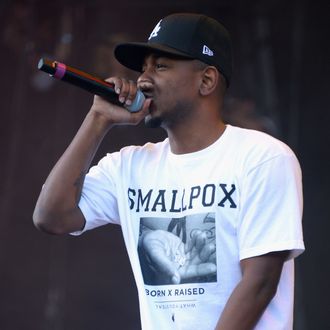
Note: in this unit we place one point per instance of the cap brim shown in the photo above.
(132, 54)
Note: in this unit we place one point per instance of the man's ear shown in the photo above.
(209, 80)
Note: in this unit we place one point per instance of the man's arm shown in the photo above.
(57, 210)
(260, 277)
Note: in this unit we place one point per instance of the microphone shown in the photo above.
(88, 82)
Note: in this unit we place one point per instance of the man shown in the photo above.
(211, 216)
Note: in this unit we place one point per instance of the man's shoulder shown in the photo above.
(132, 156)
(252, 148)
(257, 141)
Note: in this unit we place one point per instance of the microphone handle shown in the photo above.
(88, 82)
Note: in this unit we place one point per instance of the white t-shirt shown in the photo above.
(200, 214)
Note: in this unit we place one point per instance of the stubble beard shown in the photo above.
(177, 115)
(152, 122)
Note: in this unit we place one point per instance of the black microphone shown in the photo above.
(88, 82)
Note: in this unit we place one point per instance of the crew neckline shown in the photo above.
(200, 153)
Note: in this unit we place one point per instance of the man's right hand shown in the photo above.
(118, 115)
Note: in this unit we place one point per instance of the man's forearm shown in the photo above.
(245, 307)
(58, 200)
(260, 277)
(57, 207)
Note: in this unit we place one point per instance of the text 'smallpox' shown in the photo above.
(163, 200)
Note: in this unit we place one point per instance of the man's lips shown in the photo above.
(148, 95)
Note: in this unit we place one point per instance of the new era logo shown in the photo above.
(207, 51)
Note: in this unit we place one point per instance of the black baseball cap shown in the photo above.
(190, 36)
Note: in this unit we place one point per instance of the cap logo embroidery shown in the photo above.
(155, 31)
(207, 51)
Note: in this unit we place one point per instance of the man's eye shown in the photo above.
(160, 66)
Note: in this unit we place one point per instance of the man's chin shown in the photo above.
(152, 122)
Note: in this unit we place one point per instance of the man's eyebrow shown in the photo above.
(152, 57)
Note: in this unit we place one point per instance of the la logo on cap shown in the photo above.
(155, 31)
(207, 51)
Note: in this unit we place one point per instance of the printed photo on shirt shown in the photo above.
(178, 250)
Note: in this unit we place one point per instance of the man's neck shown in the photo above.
(192, 139)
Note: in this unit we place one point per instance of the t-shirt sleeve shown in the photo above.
(98, 201)
(271, 209)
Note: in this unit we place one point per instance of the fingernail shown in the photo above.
(118, 90)
(121, 99)
(128, 102)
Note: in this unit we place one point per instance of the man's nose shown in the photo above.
(144, 81)
(147, 67)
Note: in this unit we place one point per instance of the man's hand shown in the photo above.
(200, 257)
(118, 115)
(173, 261)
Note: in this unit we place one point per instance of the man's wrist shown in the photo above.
(101, 122)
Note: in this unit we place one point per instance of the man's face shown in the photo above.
(172, 84)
